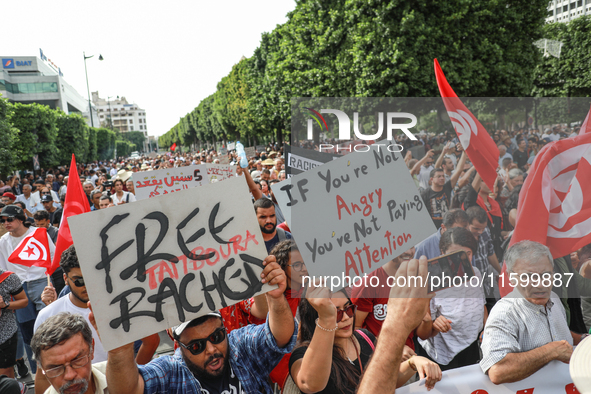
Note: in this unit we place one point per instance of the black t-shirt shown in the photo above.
(438, 203)
(520, 158)
(364, 354)
(227, 383)
(275, 240)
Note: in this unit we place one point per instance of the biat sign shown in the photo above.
(10, 63)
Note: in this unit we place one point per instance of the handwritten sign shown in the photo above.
(250, 152)
(220, 172)
(356, 213)
(161, 182)
(231, 145)
(224, 159)
(161, 261)
(554, 378)
(261, 148)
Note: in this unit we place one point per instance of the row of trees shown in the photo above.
(27, 130)
(361, 48)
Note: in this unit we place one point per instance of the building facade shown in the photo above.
(29, 79)
(567, 10)
(119, 114)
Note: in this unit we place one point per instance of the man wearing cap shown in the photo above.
(33, 278)
(208, 359)
(8, 198)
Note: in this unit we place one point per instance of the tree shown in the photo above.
(105, 143)
(92, 148)
(135, 137)
(72, 137)
(8, 137)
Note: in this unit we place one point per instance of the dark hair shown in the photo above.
(265, 171)
(282, 251)
(69, 259)
(263, 203)
(477, 213)
(41, 215)
(458, 236)
(342, 373)
(106, 197)
(20, 204)
(118, 180)
(273, 181)
(435, 171)
(454, 216)
(59, 328)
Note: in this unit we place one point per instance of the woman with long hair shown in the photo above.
(333, 355)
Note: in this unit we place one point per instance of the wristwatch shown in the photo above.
(7, 304)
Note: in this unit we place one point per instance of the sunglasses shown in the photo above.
(8, 219)
(350, 311)
(79, 282)
(198, 346)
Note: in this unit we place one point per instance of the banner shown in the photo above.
(356, 213)
(231, 145)
(155, 263)
(150, 184)
(554, 378)
(300, 160)
(261, 148)
(220, 172)
(250, 152)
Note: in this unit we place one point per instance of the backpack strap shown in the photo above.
(366, 338)
(127, 197)
(281, 234)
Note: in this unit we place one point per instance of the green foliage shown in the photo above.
(124, 148)
(8, 138)
(105, 143)
(568, 75)
(135, 137)
(37, 134)
(72, 137)
(92, 148)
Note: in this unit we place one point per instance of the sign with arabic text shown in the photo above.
(150, 184)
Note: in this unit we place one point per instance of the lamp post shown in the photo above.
(87, 87)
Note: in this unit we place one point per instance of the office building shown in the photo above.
(118, 114)
(567, 10)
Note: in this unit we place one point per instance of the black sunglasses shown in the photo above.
(78, 282)
(8, 219)
(198, 346)
(350, 311)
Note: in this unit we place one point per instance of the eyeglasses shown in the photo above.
(297, 266)
(75, 363)
(45, 193)
(350, 311)
(8, 219)
(198, 346)
(79, 282)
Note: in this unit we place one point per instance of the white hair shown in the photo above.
(529, 250)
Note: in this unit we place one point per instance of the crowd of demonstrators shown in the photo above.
(307, 340)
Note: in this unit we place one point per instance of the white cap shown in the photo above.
(178, 330)
(580, 366)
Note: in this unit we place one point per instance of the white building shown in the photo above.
(119, 114)
(29, 79)
(567, 10)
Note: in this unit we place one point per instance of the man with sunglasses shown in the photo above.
(210, 361)
(63, 347)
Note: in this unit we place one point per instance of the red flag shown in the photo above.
(555, 200)
(33, 250)
(478, 144)
(173, 147)
(75, 204)
(586, 126)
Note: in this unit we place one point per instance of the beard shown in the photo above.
(268, 230)
(201, 373)
(71, 383)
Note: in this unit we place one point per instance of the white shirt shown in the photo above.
(113, 172)
(464, 306)
(8, 244)
(424, 176)
(99, 374)
(30, 203)
(64, 304)
(116, 200)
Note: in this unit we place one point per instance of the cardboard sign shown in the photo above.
(300, 160)
(224, 159)
(231, 146)
(150, 184)
(155, 263)
(223, 151)
(261, 148)
(356, 213)
(220, 172)
(554, 378)
(283, 198)
(152, 155)
(250, 152)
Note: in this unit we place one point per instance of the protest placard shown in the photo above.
(261, 148)
(283, 198)
(161, 261)
(161, 182)
(231, 145)
(224, 159)
(152, 155)
(250, 152)
(356, 213)
(554, 378)
(223, 151)
(220, 172)
(299, 160)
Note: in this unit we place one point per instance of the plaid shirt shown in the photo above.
(253, 353)
(485, 249)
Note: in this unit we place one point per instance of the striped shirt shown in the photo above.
(516, 325)
(485, 249)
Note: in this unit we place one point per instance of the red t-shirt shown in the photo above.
(374, 301)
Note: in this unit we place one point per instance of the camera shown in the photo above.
(108, 183)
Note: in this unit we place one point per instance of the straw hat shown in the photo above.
(580, 366)
(268, 162)
(123, 175)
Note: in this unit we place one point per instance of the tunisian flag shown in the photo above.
(555, 199)
(586, 126)
(33, 250)
(478, 144)
(75, 204)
